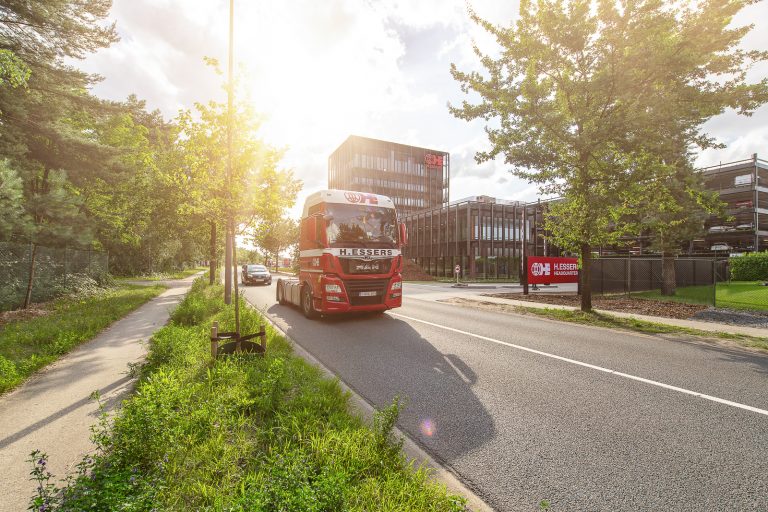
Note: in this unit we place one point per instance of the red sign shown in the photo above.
(433, 160)
(543, 270)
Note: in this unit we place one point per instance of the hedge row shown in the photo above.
(750, 267)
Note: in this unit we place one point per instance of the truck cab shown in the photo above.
(350, 255)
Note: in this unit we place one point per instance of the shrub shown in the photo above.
(750, 267)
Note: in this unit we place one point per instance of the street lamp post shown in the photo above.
(229, 237)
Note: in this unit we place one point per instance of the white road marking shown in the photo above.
(592, 366)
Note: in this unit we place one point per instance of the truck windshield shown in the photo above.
(360, 226)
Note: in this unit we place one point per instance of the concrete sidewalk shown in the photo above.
(53, 411)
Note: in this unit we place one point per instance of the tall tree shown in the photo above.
(578, 99)
(276, 237)
(13, 219)
(674, 211)
(257, 189)
(47, 127)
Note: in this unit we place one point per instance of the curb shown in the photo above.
(366, 410)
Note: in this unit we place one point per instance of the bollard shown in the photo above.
(215, 340)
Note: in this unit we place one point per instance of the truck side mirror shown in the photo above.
(403, 234)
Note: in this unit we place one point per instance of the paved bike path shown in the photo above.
(53, 411)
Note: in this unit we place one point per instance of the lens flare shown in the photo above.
(427, 427)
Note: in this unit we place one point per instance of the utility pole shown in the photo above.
(229, 237)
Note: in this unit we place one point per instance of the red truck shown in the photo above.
(350, 255)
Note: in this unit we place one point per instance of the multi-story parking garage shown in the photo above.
(743, 186)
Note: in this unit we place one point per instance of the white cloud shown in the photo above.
(320, 71)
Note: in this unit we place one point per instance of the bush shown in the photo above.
(202, 302)
(750, 267)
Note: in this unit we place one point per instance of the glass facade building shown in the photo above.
(414, 178)
(484, 235)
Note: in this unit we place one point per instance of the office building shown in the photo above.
(415, 178)
(482, 234)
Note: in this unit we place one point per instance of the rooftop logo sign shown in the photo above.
(433, 160)
(356, 197)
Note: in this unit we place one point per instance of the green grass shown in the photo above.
(734, 295)
(162, 276)
(243, 433)
(631, 324)
(28, 345)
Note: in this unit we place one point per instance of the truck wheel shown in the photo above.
(306, 303)
(280, 295)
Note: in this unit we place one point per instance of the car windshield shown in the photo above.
(357, 225)
(257, 268)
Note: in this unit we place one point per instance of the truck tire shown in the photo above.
(280, 294)
(307, 307)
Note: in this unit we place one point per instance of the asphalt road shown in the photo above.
(525, 409)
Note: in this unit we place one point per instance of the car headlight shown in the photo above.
(332, 288)
(398, 285)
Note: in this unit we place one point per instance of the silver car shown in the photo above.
(256, 274)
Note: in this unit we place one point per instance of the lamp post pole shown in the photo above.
(229, 242)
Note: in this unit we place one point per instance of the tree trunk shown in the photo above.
(212, 262)
(668, 280)
(586, 277)
(28, 295)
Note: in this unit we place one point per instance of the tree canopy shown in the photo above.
(588, 99)
(79, 171)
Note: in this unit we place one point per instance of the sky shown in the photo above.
(320, 71)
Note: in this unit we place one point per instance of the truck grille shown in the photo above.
(355, 287)
(359, 266)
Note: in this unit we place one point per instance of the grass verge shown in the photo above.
(742, 295)
(614, 322)
(162, 276)
(28, 345)
(239, 433)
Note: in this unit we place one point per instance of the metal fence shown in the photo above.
(698, 280)
(56, 271)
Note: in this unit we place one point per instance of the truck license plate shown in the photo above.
(367, 294)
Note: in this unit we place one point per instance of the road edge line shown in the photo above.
(366, 410)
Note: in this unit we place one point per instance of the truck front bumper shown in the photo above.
(329, 307)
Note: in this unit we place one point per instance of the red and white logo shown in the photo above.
(433, 160)
(540, 269)
(356, 197)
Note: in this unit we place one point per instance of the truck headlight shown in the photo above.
(332, 288)
(398, 285)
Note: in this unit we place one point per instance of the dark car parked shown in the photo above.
(256, 274)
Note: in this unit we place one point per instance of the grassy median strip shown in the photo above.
(614, 322)
(28, 345)
(241, 433)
